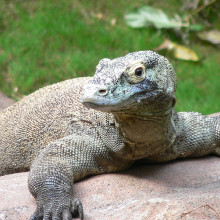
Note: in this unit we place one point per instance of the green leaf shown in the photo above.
(147, 15)
(136, 21)
(196, 27)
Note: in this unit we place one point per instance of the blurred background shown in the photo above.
(43, 42)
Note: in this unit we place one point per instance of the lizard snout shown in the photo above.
(92, 93)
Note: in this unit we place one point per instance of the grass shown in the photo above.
(43, 42)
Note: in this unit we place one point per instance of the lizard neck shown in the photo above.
(146, 134)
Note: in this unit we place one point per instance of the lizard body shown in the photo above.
(88, 126)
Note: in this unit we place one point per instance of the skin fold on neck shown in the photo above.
(146, 134)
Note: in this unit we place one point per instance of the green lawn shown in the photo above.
(43, 42)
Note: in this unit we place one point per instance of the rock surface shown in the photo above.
(5, 101)
(183, 189)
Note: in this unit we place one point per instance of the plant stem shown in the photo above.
(201, 8)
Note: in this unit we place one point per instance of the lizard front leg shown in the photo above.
(58, 165)
(51, 181)
(197, 135)
(53, 172)
(51, 185)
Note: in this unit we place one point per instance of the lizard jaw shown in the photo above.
(110, 105)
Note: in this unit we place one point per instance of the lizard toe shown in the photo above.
(77, 208)
(66, 215)
(38, 215)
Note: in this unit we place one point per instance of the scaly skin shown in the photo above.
(88, 126)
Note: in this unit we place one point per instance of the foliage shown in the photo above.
(149, 16)
(43, 42)
(178, 51)
(212, 36)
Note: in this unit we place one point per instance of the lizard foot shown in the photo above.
(75, 209)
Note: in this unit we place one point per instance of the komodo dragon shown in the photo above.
(89, 126)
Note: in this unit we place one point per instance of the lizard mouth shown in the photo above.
(91, 105)
(103, 107)
(109, 105)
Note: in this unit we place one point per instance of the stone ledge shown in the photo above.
(182, 189)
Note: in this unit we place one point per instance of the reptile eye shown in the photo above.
(139, 72)
(136, 73)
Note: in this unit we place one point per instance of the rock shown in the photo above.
(174, 190)
(182, 189)
(5, 101)
(215, 115)
(16, 201)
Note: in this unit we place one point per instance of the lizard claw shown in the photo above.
(74, 210)
(77, 209)
(38, 215)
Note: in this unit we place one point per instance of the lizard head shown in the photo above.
(141, 79)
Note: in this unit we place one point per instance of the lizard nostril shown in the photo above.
(103, 92)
